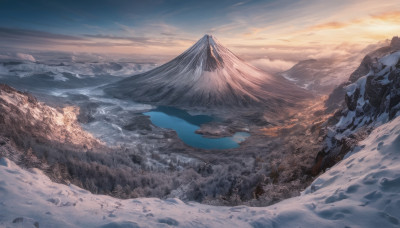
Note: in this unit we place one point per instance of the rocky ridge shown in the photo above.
(371, 98)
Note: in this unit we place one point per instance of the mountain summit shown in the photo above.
(209, 47)
(206, 75)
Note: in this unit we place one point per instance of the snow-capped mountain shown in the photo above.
(207, 74)
(319, 76)
(372, 98)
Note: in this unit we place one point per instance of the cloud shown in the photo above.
(240, 3)
(164, 29)
(14, 33)
(329, 54)
(329, 25)
(28, 57)
(272, 65)
(393, 16)
(385, 17)
(136, 39)
(253, 32)
(12, 38)
(150, 29)
(20, 40)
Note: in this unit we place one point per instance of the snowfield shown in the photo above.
(363, 190)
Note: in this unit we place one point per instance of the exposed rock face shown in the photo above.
(23, 118)
(372, 98)
(370, 62)
(362, 70)
(35, 135)
(395, 43)
(208, 74)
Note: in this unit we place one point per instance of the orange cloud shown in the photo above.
(253, 31)
(390, 17)
(393, 16)
(329, 25)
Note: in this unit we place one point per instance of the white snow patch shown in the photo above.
(390, 60)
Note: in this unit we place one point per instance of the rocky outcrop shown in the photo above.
(395, 43)
(362, 70)
(370, 62)
(372, 98)
(35, 135)
(23, 119)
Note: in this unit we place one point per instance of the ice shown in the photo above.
(363, 190)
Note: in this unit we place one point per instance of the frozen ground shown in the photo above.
(363, 190)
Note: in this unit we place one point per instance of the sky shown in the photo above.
(270, 30)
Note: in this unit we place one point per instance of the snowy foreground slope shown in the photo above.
(363, 190)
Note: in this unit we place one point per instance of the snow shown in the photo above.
(207, 74)
(59, 120)
(29, 67)
(390, 60)
(347, 119)
(363, 190)
(365, 114)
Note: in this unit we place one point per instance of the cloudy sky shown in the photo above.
(262, 30)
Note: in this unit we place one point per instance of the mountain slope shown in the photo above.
(372, 98)
(207, 74)
(319, 76)
(363, 190)
(24, 119)
(370, 60)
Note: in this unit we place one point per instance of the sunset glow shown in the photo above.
(199, 113)
(157, 27)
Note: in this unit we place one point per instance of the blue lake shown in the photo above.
(185, 125)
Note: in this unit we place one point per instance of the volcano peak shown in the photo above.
(206, 54)
(207, 74)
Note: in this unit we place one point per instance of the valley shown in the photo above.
(219, 156)
(198, 136)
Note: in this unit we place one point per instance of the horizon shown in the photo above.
(172, 113)
(273, 35)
